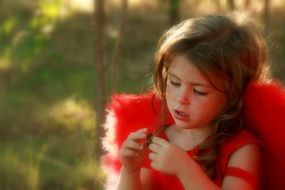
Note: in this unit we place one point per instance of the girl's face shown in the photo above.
(192, 101)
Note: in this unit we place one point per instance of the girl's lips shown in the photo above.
(180, 115)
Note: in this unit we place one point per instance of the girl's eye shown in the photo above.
(199, 92)
(175, 83)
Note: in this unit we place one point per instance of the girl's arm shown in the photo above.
(246, 158)
(193, 177)
(139, 180)
(131, 154)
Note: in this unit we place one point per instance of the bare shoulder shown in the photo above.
(247, 157)
(145, 178)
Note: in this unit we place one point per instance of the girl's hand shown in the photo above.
(166, 157)
(131, 152)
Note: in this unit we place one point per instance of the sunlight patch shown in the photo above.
(79, 5)
(73, 114)
(5, 63)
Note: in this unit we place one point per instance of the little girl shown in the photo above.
(198, 141)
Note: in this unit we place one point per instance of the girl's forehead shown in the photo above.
(182, 68)
(185, 70)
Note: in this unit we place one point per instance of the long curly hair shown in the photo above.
(230, 48)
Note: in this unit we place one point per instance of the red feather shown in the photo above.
(265, 116)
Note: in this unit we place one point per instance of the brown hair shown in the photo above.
(230, 48)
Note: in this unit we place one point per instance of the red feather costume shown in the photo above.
(263, 115)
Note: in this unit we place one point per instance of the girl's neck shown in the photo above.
(187, 139)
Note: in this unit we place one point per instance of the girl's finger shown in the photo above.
(152, 156)
(133, 145)
(129, 153)
(159, 141)
(155, 165)
(138, 135)
(154, 147)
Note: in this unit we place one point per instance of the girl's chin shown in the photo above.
(185, 125)
(182, 125)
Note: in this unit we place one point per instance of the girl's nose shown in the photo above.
(184, 101)
(184, 98)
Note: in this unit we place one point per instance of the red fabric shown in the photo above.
(264, 115)
(242, 174)
(227, 148)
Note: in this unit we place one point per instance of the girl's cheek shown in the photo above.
(170, 92)
(170, 88)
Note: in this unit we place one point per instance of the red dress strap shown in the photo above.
(242, 174)
(228, 147)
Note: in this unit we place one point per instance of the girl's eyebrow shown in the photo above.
(173, 75)
(192, 83)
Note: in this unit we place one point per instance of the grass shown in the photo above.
(47, 90)
(40, 163)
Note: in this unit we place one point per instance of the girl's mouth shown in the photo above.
(180, 115)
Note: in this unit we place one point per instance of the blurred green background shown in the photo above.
(47, 80)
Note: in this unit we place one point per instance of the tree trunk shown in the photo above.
(266, 10)
(247, 4)
(218, 4)
(231, 5)
(174, 14)
(118, 46)
(99, 18)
